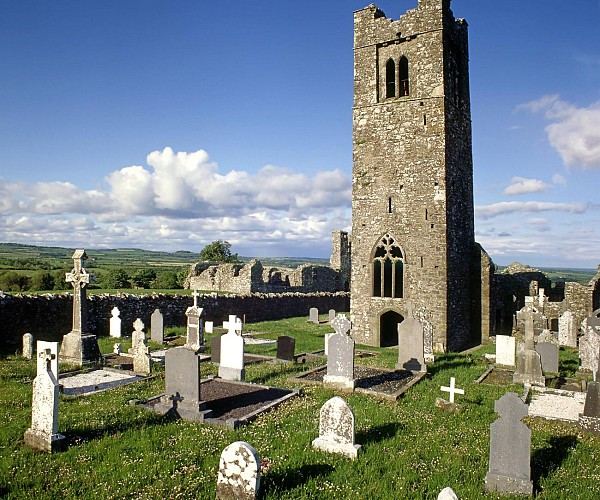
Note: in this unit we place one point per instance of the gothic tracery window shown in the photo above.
(388, 269)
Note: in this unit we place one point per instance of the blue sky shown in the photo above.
(168, 124)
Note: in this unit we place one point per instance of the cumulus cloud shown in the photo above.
(508, 207)
(184, 199)
(559, 180)
(522, 185)
(573, 132)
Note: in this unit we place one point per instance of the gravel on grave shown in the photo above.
(371, 378)
(230, 400)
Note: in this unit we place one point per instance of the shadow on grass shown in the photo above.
(569, 367)
(545, 460)
(379, 433)
(78, 436)
(291, 477)
(450, 361)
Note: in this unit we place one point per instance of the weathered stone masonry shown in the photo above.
(48, 317)
(412, 199)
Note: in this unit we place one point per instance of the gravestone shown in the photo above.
(447, 494)
(567, 329)
(43, 434)
(411, 355)
(231, 366)
(117, 349)
(529, 365)
(423, 315)
(142, 361)
(285, 348)
(331, 316)
(28, 346)
(215, 349)
(548, 355)
(313, 315)
(452, 390)
(157, 330)
(77, 346)
(239, 472)
(510, 448)
(209, 327)
(505, 350)
(195, 326)
(115, 323)
(589, 343)
(336, 429)
(326, 339)
(137, 334)
(548, 337)
(340, 358)
(589, 420)
(593, 321)
(182, 385)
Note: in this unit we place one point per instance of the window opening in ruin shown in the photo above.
(404, 81)
(390, 205)
(424, 120)
(425, 214)
(388, 269)
(388, 328)
(390, 78)
(421, 261)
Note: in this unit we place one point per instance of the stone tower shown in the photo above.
(413, 243)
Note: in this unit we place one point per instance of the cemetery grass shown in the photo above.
(410, 449)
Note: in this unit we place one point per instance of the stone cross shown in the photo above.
(79, 278)
(47, 359)
(138, 333)
(452, 390)
(341, 324)
(195, 295)
(529, 331)
(234, 325)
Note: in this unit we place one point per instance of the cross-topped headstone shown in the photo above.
(195, 295)
(234, 325)
(341, 324)
(115, 322)
(47, 358)
(138, 333)
(231, 366)
(79, 279)
(452, 389)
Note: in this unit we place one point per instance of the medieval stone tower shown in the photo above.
(413, 243)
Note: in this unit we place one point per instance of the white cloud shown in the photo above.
(521, 185)
(559, 180)
(573, 132)
(508, 207)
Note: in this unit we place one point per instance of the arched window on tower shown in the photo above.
(404, 80)
(388, 269)
(390, 78)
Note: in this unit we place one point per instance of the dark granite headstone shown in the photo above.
(510, 448)
(285, 348)
(215, 349)
(549, 356)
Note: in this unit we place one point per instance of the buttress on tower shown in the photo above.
(413, 244)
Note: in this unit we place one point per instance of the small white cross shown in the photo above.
(195, 295)
(452, 390)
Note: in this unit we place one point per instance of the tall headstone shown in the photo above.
(209, 327)
(548, 352)
(215, 349)
(589, 420)
(78, 346)
(157, 330)
(529, 365)
(28, 346)
(510, 448)
(567, 329)
(340, 356)
(195, 325)
(239, 472)
(505, 350)
(411, 355)
(589, 344)
(285, 348)
(137, 334)
(183, 385)
(43, 434)
(115, 322)
(313, 315)
(231, 366)
(142, 361)
(336, 429)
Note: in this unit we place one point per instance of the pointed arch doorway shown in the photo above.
(388, 328)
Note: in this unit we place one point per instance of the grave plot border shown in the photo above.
(140, 378)
(394, 396)
(233, 423)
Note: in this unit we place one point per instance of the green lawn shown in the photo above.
(410, 449)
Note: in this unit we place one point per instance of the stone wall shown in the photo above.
(49, 317)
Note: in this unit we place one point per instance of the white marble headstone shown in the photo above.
(239, 472)
(505, 350)
(336, 429)
(115, 322)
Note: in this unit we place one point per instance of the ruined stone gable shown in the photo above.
(412, 198)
